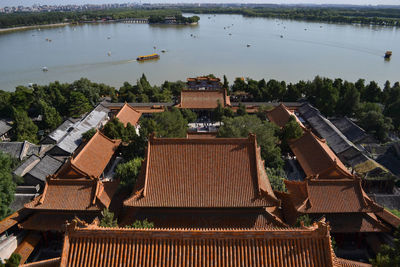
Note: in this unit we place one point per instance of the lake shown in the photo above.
(279, 49)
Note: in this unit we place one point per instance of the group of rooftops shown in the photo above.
(202, 191)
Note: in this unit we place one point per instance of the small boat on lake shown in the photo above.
(248, 45)
(388, 54)
(44, 69)
(148, 57)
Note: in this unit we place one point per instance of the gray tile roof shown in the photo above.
(27, 165)
(47, 166)
(70, 142)
(336, 139)
(61, 131)
(351, 130)
(150, 104)
(4, 127)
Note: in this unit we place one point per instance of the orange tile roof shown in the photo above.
(206, 218)
(203, 173)
(26, 247)
(97, 246)
(55, 220)
(389, 218)
(280, 115)
(14, 219)
(74, 195)
(316, 158)
(350, 263)
(343, 202)
(128, 114)
(329, 196)
(200, 135)
(92, 159)
(203, 99)
(55, 262)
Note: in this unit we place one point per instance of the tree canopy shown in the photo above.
(7, 184)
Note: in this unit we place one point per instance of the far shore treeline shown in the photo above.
(375, 109)
(355, 15)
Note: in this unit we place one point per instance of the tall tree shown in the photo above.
(78, 104)
(24, 129)
(7, 185)
(266, 134)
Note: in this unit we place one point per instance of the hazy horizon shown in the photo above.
(80, 2)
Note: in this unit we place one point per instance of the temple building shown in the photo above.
(203, 183)
(204, 83)
(91, 245)
(280, 115)
(203, 99)
(127, 114)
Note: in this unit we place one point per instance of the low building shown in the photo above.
(203, 99)
(280, 115)
(204, 83)
(4, 129)
(97, 246)
(92, 159)
(47, 166)
(203, 183)
(68, 140)
(317, 159)
(352, 131)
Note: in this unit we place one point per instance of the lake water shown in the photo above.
(304, 51)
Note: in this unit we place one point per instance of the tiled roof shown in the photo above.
(352, 131)
(4, 127)
(316, 158)
(27, 165)
(55, 221)
(26, 247)
(55, 262)
(73, 136)
(203, 99)
(336, 139)
(61, 131)
(92, 159)
(350, 263)
(389, 218)
(96, 246)
(13, 219)
(20, 150)
(203, 173)
(47, 166)
(206, 218)
(280, 115)
(329, 196)
(354, 222)
(201, 135)
(127, 114)
(74, 195)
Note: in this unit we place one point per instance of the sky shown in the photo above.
(64, 2)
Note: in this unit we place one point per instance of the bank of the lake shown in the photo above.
(279, 49)
(24, 28)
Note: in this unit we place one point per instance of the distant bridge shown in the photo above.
(134, 20)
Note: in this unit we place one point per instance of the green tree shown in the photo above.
(189, 115)
(7, 185)
(128, 172)
(291, 130)
(262, 112)
(372, 93)
(393, 111)
(266, 134)
(78, 104)
(389, 256)
(24, 129)
(349, 100)
(226, 83)
(377, 124)
(108, 219)
(276, 178)
(241, 111)
(218, 112)
(86, 136)
(13, 261)
(22, 98)
(145, 224)
(305, 219)
(114, 129)
(51, 118)
(168, 124)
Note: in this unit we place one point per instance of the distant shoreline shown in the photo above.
(24, 28)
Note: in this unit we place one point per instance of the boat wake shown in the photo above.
(80, 67)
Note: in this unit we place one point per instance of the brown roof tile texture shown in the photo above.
(26, 247)
(74, 195)
(153, 247)
(328, 196)
(128, 114)
(280, 115)
(95, 155)
(203, 99)
(55, 220)
(316, 158)
(203, 173)
(205, 218)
